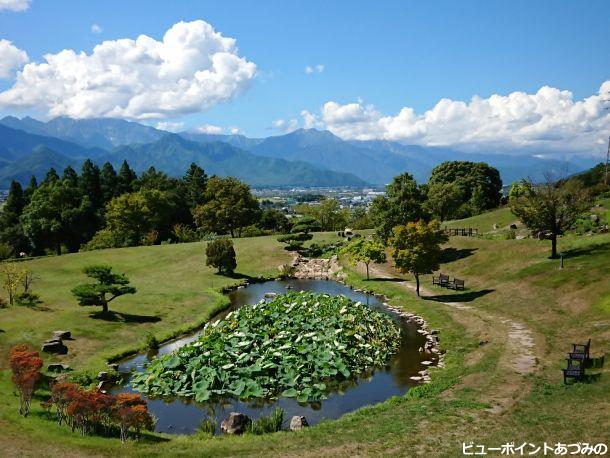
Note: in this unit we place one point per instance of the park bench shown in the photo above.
(580, 351)
(456, 284)
(575, 370)
(441, 280)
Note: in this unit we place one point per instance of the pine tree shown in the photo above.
(70, 176)
(51, 177)
(125, 179)
(195, 182)
(90, 185)
(108, 183)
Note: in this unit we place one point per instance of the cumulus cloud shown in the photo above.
(208, 129)
(14, 5)
(191, 69)
(96, 28)
(548, 120)
(11, 58)
(315, 69)
(285, 125)
(170, 126)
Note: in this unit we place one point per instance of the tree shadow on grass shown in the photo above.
(597, 248)
(453, 254)
(236, 276)
(468, 296)
(124, 317)
(395, 279)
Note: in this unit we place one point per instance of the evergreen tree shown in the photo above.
(108, 183)
(50, 177)
(70, 176)
(90, 185)
(13, 207)
(125, 179)
(195, 182)
(32, 186)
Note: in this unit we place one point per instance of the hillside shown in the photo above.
(505, 338)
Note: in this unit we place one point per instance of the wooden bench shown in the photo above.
(580, 351)
(575, 370)
(456, 284)
(441, 280)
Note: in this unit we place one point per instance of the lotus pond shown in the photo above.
(318, 355)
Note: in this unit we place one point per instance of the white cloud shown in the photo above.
(14, 5)
(208, 129)
(234, 130)
(191, 69)
(11, 58)
(170, 126)
(285, 125)
(96, 28)
(314, 69)
(548, 120)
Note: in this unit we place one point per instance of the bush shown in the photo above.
(152, 343)
(510, 235)
(3, 303)
(6, 251)
(27, 299)
(207, 426)
(104, 238)
(221, 254)
(287, 270)
(267, 423)
(184, 233)
(254, 231)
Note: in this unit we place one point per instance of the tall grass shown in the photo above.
(267, 423)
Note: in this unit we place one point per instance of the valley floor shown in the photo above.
(506, 337)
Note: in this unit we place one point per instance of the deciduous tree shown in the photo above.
(220, 253)
(416, 248)
(366, 251)
(25, 367)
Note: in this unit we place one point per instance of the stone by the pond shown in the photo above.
(434, 332)
(103, 385)
(113, 366)
(54, 346)
(62, 334)
(58, 367)
(103, 376)
(513, 226)
(235, 423)
(298, 422)
(416, 378)
(427, 363)
(270, 295)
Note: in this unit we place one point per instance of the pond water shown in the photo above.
(183, 416)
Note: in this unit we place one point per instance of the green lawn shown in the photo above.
(477, 397)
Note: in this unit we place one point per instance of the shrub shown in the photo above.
(151, 341)
(267, 423)
(287, 270)
(184, 233)
(27, 299)
(221, 254)
(25, 367)
(207, 426)
(6, 251)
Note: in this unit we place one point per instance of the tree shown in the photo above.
(51, 177)
(300, 233)
(125, 179)
(70, 176)
(108, 183)
(32, 186)
(401, 204)
(109, 286)
(328, 213)
(12, 278)
(229, 207)
(444, 200)
(365, 250)
(221, 254)
(274, 220)
(55, 215)
(25, 367)
(89, 183)
(195, 182)
(552, 207)
(480, 183)
(416, 248)
(11, 231)
(131, 216)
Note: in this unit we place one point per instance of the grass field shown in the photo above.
(505, 336)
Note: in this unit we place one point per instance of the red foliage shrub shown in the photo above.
(25, 367)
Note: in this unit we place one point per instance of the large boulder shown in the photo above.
(58, 367)
(298, 422)
(54, 346)
(235, 423)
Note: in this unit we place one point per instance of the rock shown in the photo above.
(520, 237)
(103, 376)
(513, 226)
(416, 378)
(495, 227)
(427, 363)
(270, 295)
(103, 385)
(298, 422)
(594, 217)
(113, 366)
(434, 332)
(235, 423)
(54, 346)
(62, 335)
(58, 367)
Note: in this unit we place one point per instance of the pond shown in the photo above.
(183, 416)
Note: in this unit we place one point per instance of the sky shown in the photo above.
(475, 75)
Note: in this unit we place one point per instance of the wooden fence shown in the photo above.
(465, 232)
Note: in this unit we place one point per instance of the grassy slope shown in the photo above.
(506, 279)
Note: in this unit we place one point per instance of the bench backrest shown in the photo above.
(443, 277)
(459, 282)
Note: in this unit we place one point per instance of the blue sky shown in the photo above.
(381, 56)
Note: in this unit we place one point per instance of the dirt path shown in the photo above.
(517, 358)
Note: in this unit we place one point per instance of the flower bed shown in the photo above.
(291, 346)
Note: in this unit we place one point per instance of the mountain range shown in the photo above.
(305, 157)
